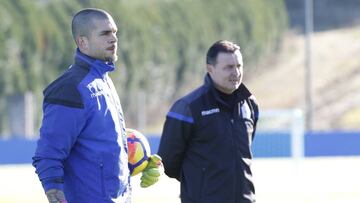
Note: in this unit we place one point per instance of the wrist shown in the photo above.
(55, 196)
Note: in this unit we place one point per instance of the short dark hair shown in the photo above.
(224, 46)
(82, 22)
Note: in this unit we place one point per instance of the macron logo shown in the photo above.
(211, 111)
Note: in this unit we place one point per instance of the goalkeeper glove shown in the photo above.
(55, 196)
(152, 172)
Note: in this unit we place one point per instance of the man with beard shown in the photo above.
(81, 155)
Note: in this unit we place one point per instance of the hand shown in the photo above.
(152, 172)
(55, 196)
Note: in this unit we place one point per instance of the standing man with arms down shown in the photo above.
(81, 155)
(207, 135)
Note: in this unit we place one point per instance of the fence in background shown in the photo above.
(265, 145)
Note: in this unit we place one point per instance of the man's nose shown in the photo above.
(236, 71)
(113, 38)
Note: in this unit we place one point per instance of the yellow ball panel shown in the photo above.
(140, 168)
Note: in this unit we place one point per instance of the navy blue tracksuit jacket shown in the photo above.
(206, 145)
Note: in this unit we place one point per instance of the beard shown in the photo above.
(112, 58)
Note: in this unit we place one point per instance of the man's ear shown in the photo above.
(82, 42)
(209, 68)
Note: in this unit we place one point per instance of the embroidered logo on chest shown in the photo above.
(209, 112)
(95, 89)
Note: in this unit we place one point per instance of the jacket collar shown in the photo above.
(241, 93)
(97, 65)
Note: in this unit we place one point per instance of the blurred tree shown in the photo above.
(162, 44)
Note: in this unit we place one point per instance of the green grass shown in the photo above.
(283, 180)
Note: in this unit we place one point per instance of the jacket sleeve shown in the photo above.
(61, 125)
(176, 133)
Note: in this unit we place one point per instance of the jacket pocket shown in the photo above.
(114, 178)
(102, 179)
(192, 182)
